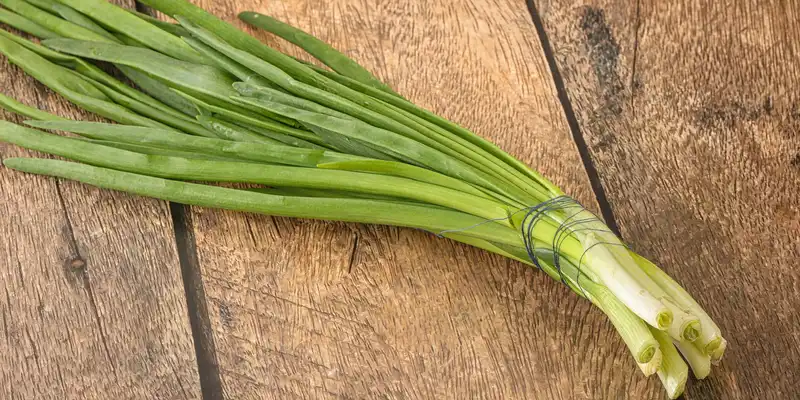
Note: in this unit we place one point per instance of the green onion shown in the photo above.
(213, 105)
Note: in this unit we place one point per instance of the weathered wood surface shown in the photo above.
(691, 111)
(93, 306)
(302, 309)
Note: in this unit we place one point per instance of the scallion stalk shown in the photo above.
(673, 372)
(699, 362)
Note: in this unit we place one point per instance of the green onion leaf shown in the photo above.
(317, 48)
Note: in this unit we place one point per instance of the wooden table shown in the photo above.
(677, 121)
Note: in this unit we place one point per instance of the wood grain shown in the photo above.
(92, 303)
(691, 113)
(303, 309)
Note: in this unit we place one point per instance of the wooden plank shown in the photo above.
(691, 113)
(92, 304)
(302, 309)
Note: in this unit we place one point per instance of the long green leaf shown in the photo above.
(157, 151)
(230, 131)
(12, 105)
(209, 84)
(249, 118)
(224, 171)
(372, 111)
(70, 84)
(54, 56)
(333, 209)
(385, 140)
(53, 23)
(229, 33)
(251, 89)
(281, 137)
(224, 62)
(94, 73)
(348, 145)
(120, 20)
(71, 15)
(406, 171)
(195, 78)
(337, 194)
(159, 91)
(170, 27)
(26, 25)
(52, 75)
(317, 48)
(464, 133)
(146, 110)
(262, 152)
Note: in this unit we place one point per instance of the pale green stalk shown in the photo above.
(710, 337)
(684, 325)
(716, 355)
(598, 245)
(673, 372)
(634, 332)
(699, 362)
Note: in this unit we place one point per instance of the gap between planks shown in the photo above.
(196, 304)
(569, 112)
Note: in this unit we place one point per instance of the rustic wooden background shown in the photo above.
(677, 121)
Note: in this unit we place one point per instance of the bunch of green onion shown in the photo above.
(211, 104)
